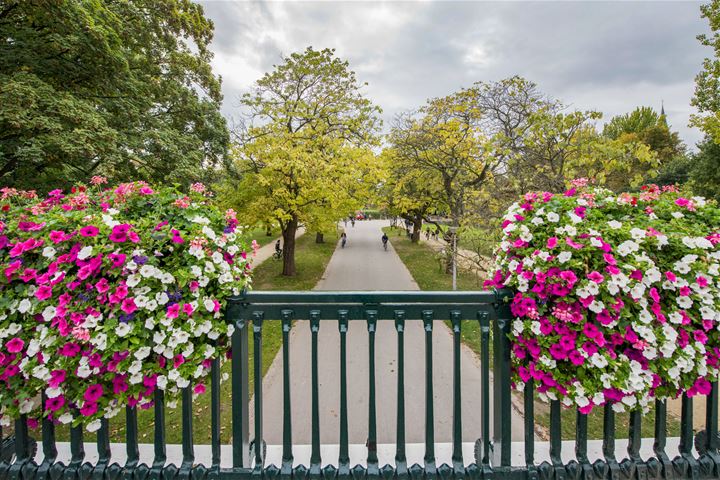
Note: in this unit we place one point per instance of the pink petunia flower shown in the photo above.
(128, 305)
(43, 292)
(15, 345)
(89, 409)
(595, 276)
(93, 393)
(57, 377)
(173, 311)
(89, 231)
(57, 236)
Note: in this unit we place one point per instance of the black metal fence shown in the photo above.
(696, 457)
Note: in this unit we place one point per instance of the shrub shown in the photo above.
(617, 295)
(109, 294)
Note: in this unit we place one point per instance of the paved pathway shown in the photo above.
(364, 265)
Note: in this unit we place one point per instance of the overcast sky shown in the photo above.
(607, 56)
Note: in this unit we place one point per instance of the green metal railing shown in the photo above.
(335, 310)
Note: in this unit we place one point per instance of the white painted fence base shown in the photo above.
(358, 452)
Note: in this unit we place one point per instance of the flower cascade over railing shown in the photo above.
(107, 294)
(617, 296)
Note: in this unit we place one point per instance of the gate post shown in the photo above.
(502, 409)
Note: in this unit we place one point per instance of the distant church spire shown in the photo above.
(663, 117)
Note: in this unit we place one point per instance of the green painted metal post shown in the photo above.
(711, 419)
(315, 459)
(258, 318)
(400, 456)
(556, 440)
(501, 386)
(484, 319)
(188, 447)
(344, 457)
(372, 458)
(686, 436)
(457, 456)
(235, 314)
(287, 455)
(608, 445)
(48, 437)
(159, 440)
(529, 411)
(430, 467)
(131, 439)
(215, 414)
(660, 431)
(581, 438)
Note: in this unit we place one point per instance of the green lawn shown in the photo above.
(260, 235)
(595, 423)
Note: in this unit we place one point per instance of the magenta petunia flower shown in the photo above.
(178, 360)
(552, 242)
(57, 236)
(54, 404)
(199, 388)
(595, 276)
(15, 345)
(57, 377)
(102, 285)
(43, 293)
(89, 409)
(188, 309)
(128, 305)
(89, 231)
(118, 259)
(93, 393)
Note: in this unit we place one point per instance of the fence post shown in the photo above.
(502, 409)
(234, 314)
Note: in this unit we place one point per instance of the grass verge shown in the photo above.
(424, 266)
(259, 235)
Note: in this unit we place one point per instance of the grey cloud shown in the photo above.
(610, 56)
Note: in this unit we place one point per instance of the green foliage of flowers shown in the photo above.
(617, 295)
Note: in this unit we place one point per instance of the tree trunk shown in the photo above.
(268, 230)
(417, 229)
(448, 237)
(288, 234)
(319, 238)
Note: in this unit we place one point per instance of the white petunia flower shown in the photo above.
(122, 329)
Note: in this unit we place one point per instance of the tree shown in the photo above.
(647, 126)
(707, 82)
(304, 150)
(705, 170)
(123, 89)
(410, 193)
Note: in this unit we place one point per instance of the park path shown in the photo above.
(364, 265)
(267, 251)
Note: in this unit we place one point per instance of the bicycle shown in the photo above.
(278, 254)
(385, 245)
